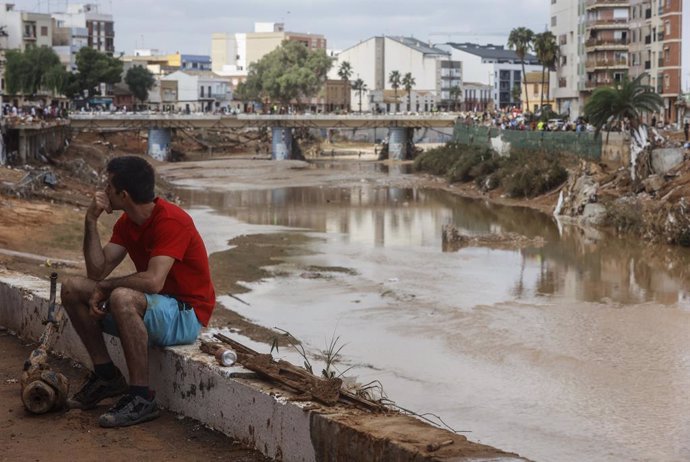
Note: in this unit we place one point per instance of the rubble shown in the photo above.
(454, 240)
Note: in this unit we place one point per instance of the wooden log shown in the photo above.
(327, 391)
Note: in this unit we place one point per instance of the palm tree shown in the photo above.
(394, 80)
(360, 87)
(629, 99)
(408, 82)
(455, 93)
(546, 50)
(520, 40)
(345, 72)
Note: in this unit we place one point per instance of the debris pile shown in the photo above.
(454, 240)
(646, 198)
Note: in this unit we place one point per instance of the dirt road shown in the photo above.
(75, 435)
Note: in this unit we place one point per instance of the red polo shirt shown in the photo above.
(170, 231)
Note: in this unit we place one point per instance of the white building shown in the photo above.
(374, 60)
(200, 91)
(100, 26)
(493, 65)
(24, 28)
(568, 83)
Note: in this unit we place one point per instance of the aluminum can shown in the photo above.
(226, 357)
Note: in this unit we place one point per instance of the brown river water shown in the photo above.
(579, 350)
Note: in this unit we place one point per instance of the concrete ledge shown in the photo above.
(189, 382)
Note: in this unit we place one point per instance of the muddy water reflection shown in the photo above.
(575, 351)
(578, 264)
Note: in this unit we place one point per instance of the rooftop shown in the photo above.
(497, 52)
(418, 45)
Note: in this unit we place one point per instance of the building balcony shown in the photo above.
(592, 4)
(596, 64)
(611, 23)
(592, 84)
(607, 44)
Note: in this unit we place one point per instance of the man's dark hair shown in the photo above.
(134, 175)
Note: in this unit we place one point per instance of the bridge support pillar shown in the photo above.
(159, 143)
(282, 143)
(400, 143)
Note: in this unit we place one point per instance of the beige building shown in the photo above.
(535, 88)
(232, 54)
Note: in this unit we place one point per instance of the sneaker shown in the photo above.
(130, 410)
(97, 389)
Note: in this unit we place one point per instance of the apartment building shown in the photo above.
(99, 26)
(373, 60)
(496, 66)
(603, 41)
(25, 29)
(567, 17)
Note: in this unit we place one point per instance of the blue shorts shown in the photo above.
(167, 320)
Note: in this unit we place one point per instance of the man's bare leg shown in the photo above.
(75, 293)
(128, 307)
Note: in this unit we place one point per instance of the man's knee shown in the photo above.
(73, 291)
(124, 300)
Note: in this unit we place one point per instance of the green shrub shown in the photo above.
(523, 174)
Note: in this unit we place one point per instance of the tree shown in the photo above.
(408, 82)
(36, 68)
(290, 72)
(394, 80)
(139, 80)
(345, 72)
(94, 68)
(455, 93)
(516, 93)
(360, 87)
(546, 49)
(520, 40)
(628, 99)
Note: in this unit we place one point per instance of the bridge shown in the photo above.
(159, 125)
(102, 121)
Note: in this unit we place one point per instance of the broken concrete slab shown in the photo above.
(664, 159)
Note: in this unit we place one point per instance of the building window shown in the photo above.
(667, 81)
(553, 21)
(202, 91)
(44, 31)
(209, 91)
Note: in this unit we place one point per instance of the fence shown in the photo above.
(582, 144)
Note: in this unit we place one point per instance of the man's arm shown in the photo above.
(100, 261)
(150, 281)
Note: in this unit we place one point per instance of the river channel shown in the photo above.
(579, 350)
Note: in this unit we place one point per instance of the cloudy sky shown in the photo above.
(186, 26)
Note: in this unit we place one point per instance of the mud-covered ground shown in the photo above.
(75, 434)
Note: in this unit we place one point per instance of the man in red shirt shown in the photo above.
(166, 302)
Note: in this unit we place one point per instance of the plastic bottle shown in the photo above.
(226, 357)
